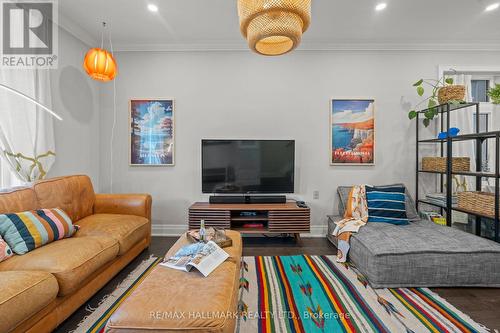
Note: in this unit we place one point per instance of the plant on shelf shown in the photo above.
(443, 91)
(494, 94)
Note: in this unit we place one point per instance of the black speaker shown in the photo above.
(267, 199)
(227, 199)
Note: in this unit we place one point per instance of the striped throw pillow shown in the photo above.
(386, 204)
(29, 230)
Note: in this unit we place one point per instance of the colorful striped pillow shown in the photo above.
(31, 229)
(386, 204)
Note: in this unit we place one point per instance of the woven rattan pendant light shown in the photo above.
(274, 27)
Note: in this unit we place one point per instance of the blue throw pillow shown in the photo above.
(386, 204)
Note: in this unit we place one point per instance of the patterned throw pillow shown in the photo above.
(5, 251)
(31, 229)
(386, 204)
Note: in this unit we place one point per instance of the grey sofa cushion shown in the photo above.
(411, 210)
(424, 254)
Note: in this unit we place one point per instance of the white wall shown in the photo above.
(76, 98)
(242, 95)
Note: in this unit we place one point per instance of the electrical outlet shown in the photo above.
(316, 195)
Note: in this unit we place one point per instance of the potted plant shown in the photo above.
(443, 91)
(494, 94)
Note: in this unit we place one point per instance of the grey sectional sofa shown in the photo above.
(421, 254)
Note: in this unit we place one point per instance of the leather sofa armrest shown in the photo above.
(128, 204)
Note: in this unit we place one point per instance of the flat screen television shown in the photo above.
(248, 166)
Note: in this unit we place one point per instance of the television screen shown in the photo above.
(248, 166)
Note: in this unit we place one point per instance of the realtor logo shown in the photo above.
(29, 34)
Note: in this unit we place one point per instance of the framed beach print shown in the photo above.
(152, 140)
(352, 131)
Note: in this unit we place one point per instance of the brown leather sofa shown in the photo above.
(40, 289)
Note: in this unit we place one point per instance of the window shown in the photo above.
(484, 119)
(479, 90)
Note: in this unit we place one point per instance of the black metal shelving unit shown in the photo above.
(444, 111)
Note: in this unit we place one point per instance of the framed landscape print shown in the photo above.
(152, 132)
(352, 131)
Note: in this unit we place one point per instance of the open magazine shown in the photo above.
(204, 257)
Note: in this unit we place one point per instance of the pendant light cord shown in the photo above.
(114, 121)
(102, 34)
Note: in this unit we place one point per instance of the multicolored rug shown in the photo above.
(95, 322)
(317, 294)
(312, 294)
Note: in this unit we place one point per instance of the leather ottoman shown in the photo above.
(174, 301)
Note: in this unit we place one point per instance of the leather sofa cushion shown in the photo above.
(17, 200)
(24, 294)
(174, 301)
(70, 260)
(127, 230)
(74, 194)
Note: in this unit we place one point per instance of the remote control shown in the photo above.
(301, 204)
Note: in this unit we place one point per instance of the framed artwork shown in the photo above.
(152, 140)
(352, 131)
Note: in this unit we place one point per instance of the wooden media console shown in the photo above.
(279, 218)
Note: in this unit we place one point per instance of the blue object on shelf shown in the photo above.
(451, 133)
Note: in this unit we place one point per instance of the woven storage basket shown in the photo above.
(479, 202)
(450, 93)
(438, 164)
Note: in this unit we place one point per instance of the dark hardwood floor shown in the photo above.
(481, 304)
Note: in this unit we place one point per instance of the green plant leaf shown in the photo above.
(429, 114)
(432, 102)
(420, 90)
(426, 122)
(494, 94)
(412, 114)
(449, 80)
(419, 82)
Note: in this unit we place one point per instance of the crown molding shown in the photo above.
(311, 46)
(75, 30)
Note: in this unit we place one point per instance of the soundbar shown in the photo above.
(246, 199)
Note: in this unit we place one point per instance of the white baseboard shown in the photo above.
(168, 230)
(179, 229)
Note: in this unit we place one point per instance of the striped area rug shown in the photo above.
(96, 321)
(317, 294)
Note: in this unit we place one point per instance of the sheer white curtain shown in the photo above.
(27, 148)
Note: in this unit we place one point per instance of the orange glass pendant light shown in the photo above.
(100, 64)
(274, 27)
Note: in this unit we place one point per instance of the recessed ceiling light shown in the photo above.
(380, 6)
(492, 7)
(152, 8)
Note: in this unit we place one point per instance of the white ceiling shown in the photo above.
(336, 24)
